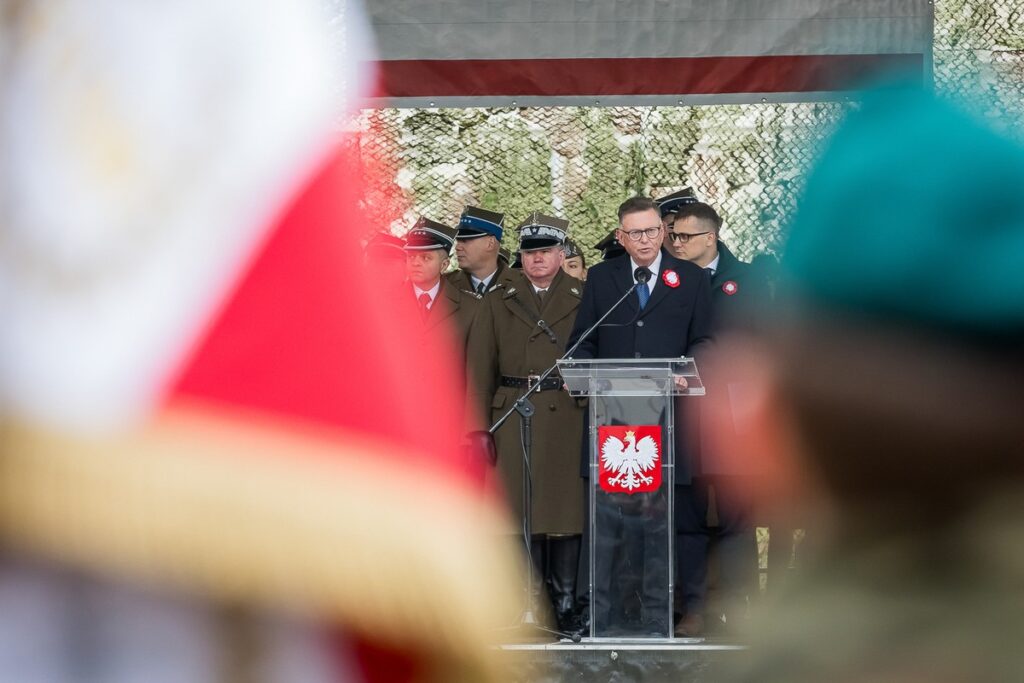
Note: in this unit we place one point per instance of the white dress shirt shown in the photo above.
(655, 268)
(432, 293)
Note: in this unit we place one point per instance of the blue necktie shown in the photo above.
(644, 294)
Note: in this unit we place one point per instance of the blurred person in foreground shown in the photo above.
(211, 467)
(887, 390)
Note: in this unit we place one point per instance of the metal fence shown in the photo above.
(580, 162)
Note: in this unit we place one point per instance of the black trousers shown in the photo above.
(631, 570)
(733, 535)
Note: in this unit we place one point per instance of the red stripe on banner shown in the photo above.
(638, 76)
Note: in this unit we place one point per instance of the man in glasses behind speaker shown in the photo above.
(716, 504)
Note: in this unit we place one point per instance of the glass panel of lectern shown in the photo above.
(630, 534)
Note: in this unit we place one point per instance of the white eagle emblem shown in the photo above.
(629, 460)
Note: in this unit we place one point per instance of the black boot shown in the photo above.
(563, 563)
(539, 549)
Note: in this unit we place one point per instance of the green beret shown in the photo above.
(915, 214)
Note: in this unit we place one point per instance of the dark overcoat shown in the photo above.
(736, 287)
(675, 322)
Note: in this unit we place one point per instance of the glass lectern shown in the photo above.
(632, 432)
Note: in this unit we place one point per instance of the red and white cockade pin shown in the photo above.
(730, 287)
(670, 278)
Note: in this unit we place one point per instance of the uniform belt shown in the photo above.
(528, 382)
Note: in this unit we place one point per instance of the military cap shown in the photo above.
(517, 262)
(670, 203)
(428, 234)
(476, 222)
(505, 255)
(571, 249)
(384, 245)
(939, 243)
(540, 232)
(610, 247)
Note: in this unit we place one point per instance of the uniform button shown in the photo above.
(551, 407)
(639, 323)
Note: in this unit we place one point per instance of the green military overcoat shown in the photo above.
(507, 340)
(461, 279)
(453, 314)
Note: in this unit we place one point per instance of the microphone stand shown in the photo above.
(525, 408)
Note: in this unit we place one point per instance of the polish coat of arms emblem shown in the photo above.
(630, 458)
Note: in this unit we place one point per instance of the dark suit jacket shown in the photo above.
(736, 288)
(676, 322)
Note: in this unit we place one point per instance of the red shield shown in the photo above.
(629, 458)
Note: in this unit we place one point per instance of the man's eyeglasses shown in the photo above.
(635, 235)
(684, 237)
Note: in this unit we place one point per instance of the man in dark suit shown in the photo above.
(716, 503)
(668, 317)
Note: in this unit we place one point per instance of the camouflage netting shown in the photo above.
(581, 162)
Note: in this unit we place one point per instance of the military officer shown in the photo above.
(505, 257)
(669, 204)
(522, 329)
(610, 247)
(575, 263)
(384, 257)
(477, 248)
(444, 308)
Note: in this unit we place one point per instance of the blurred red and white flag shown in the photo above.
(199, 389)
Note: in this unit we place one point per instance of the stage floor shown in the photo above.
(621, 660)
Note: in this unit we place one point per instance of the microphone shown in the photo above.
(641, 275)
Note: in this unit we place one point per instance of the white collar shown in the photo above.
(432, 292)
(655, 268)
(713, 266)
(487, 280)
